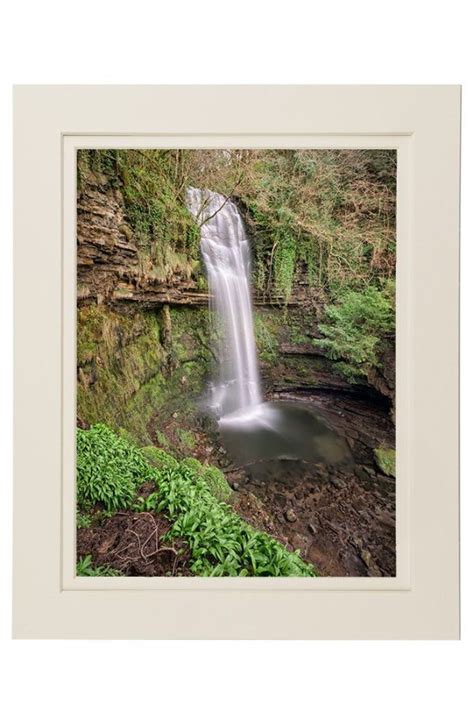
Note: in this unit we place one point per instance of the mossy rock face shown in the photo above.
(386, 459)
(193, 464)
(158, 458)
(217, 483)
(266, 326)
(138, 367)
(120, 363)
(214, 478)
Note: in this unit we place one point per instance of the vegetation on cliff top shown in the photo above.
(324, 216)
(153, 184)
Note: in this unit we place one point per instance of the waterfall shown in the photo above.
(252, 431)
(226, 253)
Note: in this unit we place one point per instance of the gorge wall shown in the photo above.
(143, 346)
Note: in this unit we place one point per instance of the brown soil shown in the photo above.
(343, 523)
(132, 543)
(253, 510)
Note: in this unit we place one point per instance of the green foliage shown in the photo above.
(265, 338)
(162, 439)
(327, 216)
(284, 266)
(85, 568)
(83, 520)
(108, 469)
(386, 460)
(150, 503)
(187, 439)
(221, 543)
(152, 183)
(214, 478)
(356, 325)
(158, 458)
(155, 199)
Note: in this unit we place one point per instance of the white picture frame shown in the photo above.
(422, 123)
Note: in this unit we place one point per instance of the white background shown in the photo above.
(249, 41)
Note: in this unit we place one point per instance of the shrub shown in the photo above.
(356, 326)
(109, 468)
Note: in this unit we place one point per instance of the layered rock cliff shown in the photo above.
(111, 269)
(142, 345)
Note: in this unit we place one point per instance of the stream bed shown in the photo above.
(332, 502)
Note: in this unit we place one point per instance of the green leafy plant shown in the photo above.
(149, 503)
(214, 478)
(109, 468)
(85, 568)
(83, 520)
(221, 543)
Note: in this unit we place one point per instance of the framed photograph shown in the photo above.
(236, 371)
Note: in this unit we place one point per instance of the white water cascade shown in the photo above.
(226, 253)
(252, 431)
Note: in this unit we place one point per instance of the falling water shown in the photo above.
(252, 430)
(226, 255)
